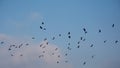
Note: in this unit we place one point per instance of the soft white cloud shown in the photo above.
(30, 55)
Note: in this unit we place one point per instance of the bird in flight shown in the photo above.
(113, 25)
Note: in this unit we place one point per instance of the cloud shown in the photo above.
(30, 54)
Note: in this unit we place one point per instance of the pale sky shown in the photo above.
(20, 20)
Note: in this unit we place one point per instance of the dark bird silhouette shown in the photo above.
(66, 61)
(58, 56)
(81, 38)
(41, 27)
(52, 53)
(66, 54)
(69, 37)
(9, 49)
(68, 33)
(21, 54)
(27, 44)
(44, 29)
(59, 35)
(53, 38)
(91, 45)
(57, 62)
(45, 39)
(68, 43)
(12, 55)
(43, 51)
(42, 23)
(99, 30)
(105, 41)
(68, 48)
(78, 46)
(84, 63)
(56, 49)
(33, 37)
(41, 56)
(2, 42)
(113, 25)
(78, 42)
(46, 43)
(116, 41)
(93, 56)
(84, 30)
(41, 45)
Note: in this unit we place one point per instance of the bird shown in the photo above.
(113, 25)
(84, 30)
(59, 35)
(57, 62)
(68, 33)
(58, 56)
(116, 41)
(21, 54)
(43, 51)
(44, 28)
(45, 39)
(91, 45)
(78, 46)
(69, 37)
(66, 54)
(42, 23)
(52, 53)
(2, 42)
(41, 56)
(68, 43)
(53, 38)
(84, 63)
(66, 61)
(41, 45)
(27, 44)
(84, 39)
(9, 49)
(99, 30)
(78, 42)
(12, 55)
(56, 49)
(41, 27)
(93, 56)
(46, 43)
(68, 48)
(33, 37)
(81, 38)
(105, 41)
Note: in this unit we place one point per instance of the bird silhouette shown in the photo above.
(113, 25)
(2, 42)
(84, 63)
(99, 30)
(116, 41)
(91, 45)
(42, 23)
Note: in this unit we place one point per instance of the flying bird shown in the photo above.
(116, 41)
(85, 30)
(42, 23)
(59, 35)
(91, 45)
(69, 37)
(41, 27)
(113, 25)
(2, 42)
(84, 63)
(68, 33)
(33, 37)
(99, 30)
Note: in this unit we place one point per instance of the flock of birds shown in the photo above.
(44, 45)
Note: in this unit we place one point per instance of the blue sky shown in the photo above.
(20, 21)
